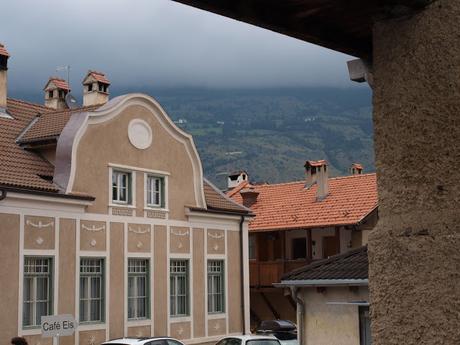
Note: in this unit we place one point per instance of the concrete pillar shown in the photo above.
(415, 249)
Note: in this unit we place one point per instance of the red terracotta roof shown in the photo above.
(291, 205)
(216, 200)
(21, 168)
(99, 76)
(49, 125)
(3, 50)
(60, 83)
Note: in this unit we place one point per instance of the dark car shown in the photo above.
(284, 330)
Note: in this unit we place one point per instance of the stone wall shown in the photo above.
(415, 250)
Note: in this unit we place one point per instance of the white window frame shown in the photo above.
(135, 274)
(176, 273)
(88, 275)
(149, 192)
(129, 186)
(163, 203)
(216, 296)
(33, 294)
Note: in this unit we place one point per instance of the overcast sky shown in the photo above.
(155, 43)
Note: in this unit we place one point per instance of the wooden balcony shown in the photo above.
(265, 273)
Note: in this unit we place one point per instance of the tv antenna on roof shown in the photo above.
(65, 68)
(70, 100)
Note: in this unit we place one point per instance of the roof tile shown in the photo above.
(350, 265)
(291, 205)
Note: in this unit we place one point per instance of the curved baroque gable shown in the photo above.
(67, 146)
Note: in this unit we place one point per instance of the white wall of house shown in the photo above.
(332, 324)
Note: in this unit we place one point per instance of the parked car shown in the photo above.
(249, 340)
(284, 330)
(143, 341)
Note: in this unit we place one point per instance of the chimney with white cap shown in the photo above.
(317, 172)
(95, 88)
(3, 77)
(235, 178)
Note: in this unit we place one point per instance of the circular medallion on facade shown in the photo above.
(140, 134)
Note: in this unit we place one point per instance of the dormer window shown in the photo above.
(155, 191)
(90, 87)
(101, 87)
(50, 94)
(121, 187)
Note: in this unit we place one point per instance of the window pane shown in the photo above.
(137, 288)
(36, 290)
(91, 289)
(179, 287)
(83, 310)
(215, 286)
(42, 288)
(154, 186)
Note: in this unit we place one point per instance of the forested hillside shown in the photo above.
(271, 132)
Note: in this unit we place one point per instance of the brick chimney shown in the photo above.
(249, 196)
(3, 77)
(317, 172)
(234, 179)
(356, 169)
(55, 91)
(95, 88)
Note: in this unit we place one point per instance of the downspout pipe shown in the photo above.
(300, 314)
(243, 310)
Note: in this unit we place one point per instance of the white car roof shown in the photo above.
(250, 337)
(136, 341)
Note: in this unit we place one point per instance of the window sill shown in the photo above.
(122, 205)
(155, 208)
(31, 330)
(181, 318)
(91, 325)
(139, 322)
(218, 315)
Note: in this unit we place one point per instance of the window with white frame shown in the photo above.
(37, 293)
(179, 288)
(138, 288)
(92, 290)
(216, 286)
(121, 187)
(155, 191)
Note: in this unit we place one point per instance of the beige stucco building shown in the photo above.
(105, 215)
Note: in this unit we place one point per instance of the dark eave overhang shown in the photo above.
(221, 211)
(342, 25)
(5, 188)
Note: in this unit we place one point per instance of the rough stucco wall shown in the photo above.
(414, 250)
(9, 275)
